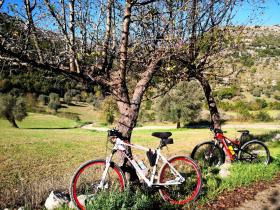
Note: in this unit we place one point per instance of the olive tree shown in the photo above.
(12, 109)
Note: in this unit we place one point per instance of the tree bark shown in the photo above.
(178, 118)
(1, 3)
(74, 66)
(32, 29)
(13, 122)
(214, 113)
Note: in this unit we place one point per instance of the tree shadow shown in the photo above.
(274, 200)
(77, 105)
(267, 136)
(60, 128)
(201, 124)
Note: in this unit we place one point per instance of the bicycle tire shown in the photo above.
(254, 151)
(215, 156)
(83, 184)
(187, 191)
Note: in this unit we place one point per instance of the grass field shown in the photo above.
(43, 154)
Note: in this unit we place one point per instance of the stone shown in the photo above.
(21, 208)
(56, 199)
(84, 199)
(224, 170)
(276, 137)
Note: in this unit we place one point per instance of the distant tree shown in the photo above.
(183, 103)
(12, 109)
(67, 98)
(43, 99)
(78, 97)
(109, 108)
(54, 102)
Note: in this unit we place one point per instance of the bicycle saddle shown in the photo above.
(244, 131)
(162, 135)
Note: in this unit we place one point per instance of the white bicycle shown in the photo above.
(179, 180)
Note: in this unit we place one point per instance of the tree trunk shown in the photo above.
(125, 125)
(178, 118)
(13, 122)
(32, 28)
(74, 65)
(214, 113)
(1, 3)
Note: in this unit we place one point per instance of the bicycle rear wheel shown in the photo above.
(254, 152)
(208, 154)
(189, 189)
(85, 182)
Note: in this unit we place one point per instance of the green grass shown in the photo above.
(44, 153)
(85, 112)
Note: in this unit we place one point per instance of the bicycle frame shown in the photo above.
(221, 138)
(120, 145)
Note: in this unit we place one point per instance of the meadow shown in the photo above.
(44, 153)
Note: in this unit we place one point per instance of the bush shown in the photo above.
(31, 102)
(244, 115)
(247, 60)
(129, 199)
(241, 105)
(54, 105)
(67, 98)
(54, 97)
(263, 116)
(78, 98)
(109, 109)
(256, 92)
(54, 102)
(43, 99)
(226, 106)
(274, 105)
(258, 104)
(226, 93)
(12, 109)
(277, 97)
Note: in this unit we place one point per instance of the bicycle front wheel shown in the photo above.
(208, 154)
(254, 152)
(186, 191)
(85, 182)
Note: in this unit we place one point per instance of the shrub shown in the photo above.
(241, 105)
(31, 102)
(262, 116)
(54, 97)
(12, 109)
(274, 105)
(226, 93)
(54, 102)
(77, 98)
(54, 105)
(277, 97)
(43, 99)
(247, 60)
(244, 115)
(16, 92)
(226, 106)
(67, 98)
(109, 109)
(258, 104)
(129, 199)
(256, 92)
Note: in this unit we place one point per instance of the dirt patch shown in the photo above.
(263, 195)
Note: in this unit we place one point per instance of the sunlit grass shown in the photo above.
(46, 150)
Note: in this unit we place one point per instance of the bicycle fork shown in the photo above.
(104, 174)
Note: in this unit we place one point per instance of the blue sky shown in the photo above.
(245, 15)
(269, 15)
